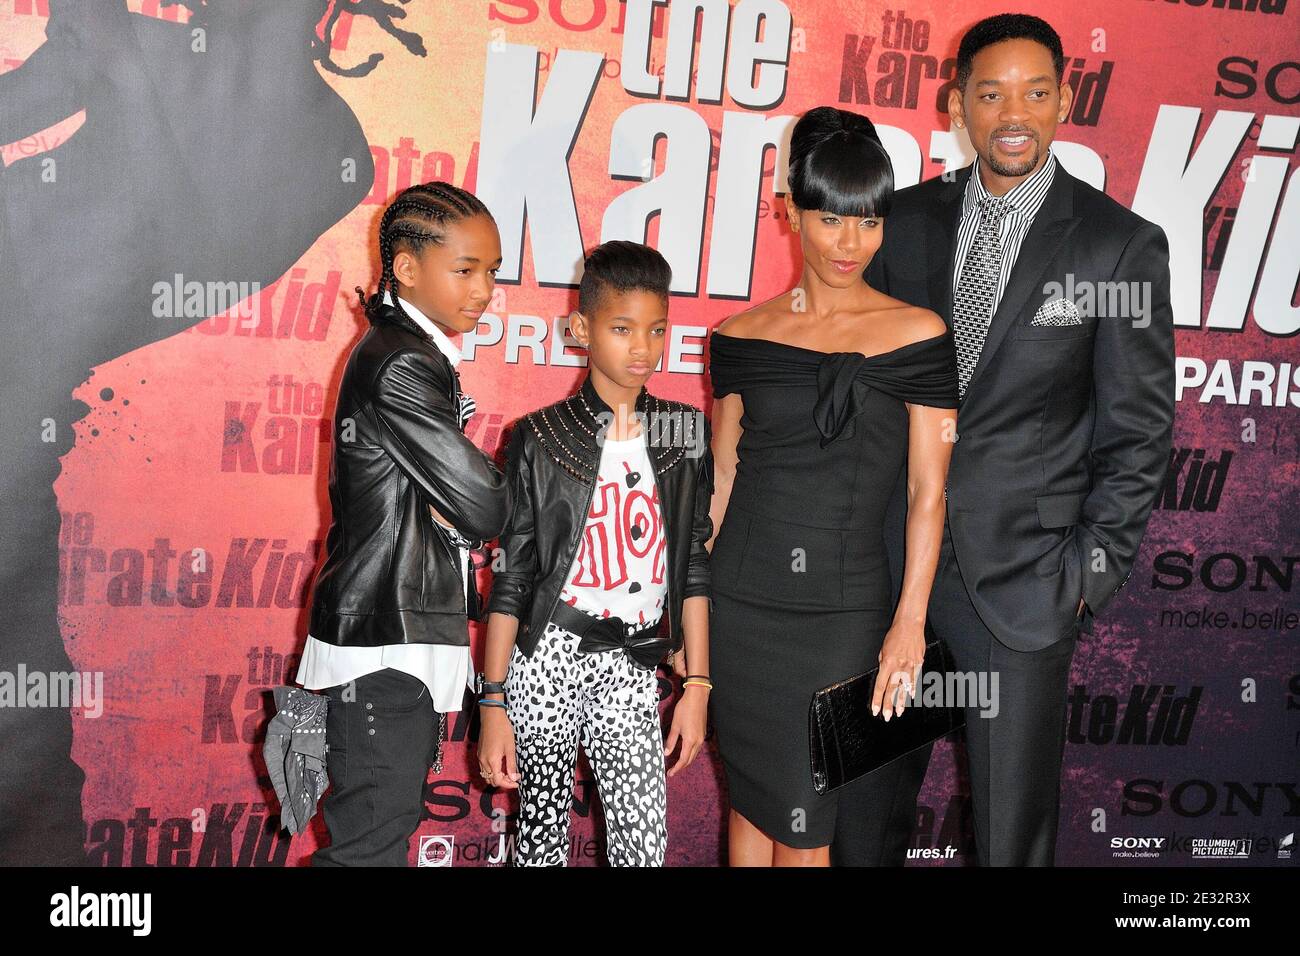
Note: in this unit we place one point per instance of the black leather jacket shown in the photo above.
(552, 463)
(391, 574)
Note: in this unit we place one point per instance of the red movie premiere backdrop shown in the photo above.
(194, 503)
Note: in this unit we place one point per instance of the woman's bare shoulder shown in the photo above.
(908, 324)
(751, 322)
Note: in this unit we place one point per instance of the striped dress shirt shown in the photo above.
(1025, 200)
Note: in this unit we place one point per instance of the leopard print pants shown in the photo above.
(559, 698)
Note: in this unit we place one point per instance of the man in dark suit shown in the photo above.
(1058, 301)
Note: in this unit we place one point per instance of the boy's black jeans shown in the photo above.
(381, 745)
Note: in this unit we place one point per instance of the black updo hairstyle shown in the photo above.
(837, 164)
(414, 219)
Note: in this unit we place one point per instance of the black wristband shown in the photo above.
(483, 686)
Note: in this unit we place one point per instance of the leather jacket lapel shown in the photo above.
(392, 315)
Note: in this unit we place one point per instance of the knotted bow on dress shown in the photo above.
(922, 373)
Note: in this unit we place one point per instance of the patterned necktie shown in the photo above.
(976, 289)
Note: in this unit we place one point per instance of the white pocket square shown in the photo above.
(1057, 312)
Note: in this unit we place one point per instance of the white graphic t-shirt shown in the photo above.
(619, 570)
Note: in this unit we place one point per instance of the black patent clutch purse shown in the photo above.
(847, 742)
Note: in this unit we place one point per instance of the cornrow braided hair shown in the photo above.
(414, 219)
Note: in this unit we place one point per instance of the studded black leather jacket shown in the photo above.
(552, 466)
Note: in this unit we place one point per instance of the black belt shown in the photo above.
(597, 634)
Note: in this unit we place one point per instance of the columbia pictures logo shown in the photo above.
(435, 851)
(1220, 849)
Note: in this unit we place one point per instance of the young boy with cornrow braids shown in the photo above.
(388, 637)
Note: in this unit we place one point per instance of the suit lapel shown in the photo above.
(941, 231)
(1052, 226)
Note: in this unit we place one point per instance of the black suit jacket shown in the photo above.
(1064, 430)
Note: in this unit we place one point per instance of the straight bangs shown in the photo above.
(849, 176)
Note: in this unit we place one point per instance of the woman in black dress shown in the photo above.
(823, 395)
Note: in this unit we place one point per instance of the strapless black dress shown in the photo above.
(802, 595)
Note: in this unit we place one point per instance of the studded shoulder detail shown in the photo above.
(570, 443)
(569, 431)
